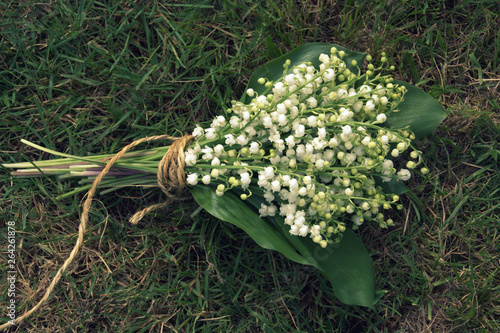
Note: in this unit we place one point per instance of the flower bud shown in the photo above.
(411, 165)
(206, 179)
(381, 118)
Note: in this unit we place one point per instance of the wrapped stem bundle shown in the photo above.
(305, 157)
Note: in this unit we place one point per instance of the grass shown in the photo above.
(89, 77)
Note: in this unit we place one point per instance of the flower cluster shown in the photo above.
(314, 144)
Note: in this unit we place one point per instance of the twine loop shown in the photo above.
(171, 179)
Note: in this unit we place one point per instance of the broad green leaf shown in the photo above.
(347, 265)
(419, 111)
(230, 208)
(304, 53)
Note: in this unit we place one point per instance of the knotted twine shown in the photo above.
(170, 177)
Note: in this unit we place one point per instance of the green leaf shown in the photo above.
(304, 53)
(418, 111)
(346, 265)
(230, 208)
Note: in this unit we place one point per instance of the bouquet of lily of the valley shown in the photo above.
(319, 145)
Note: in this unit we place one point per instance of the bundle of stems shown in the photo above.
(133, 169)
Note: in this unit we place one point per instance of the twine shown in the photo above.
(171, 180)
(171, 175)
